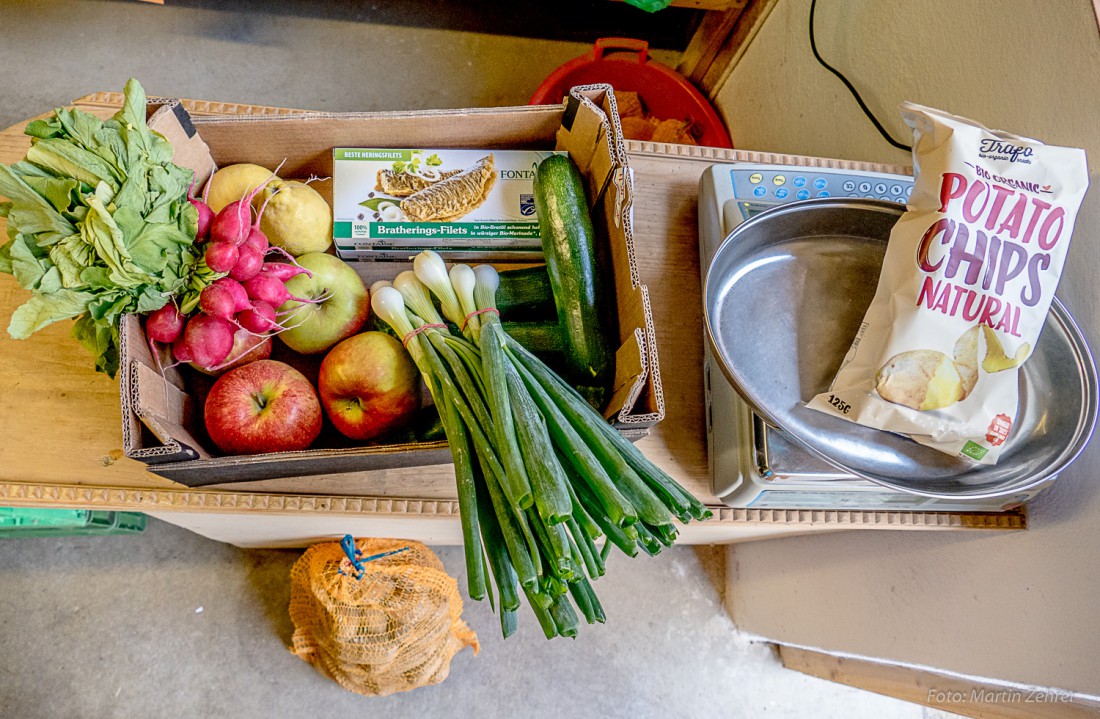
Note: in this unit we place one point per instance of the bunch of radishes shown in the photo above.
(237, 309)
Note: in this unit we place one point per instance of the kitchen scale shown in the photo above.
(753, 464)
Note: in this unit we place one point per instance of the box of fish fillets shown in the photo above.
(464, 204)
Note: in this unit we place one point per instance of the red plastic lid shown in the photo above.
(624, 64)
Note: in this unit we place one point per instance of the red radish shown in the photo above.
(206, 215)
(255, 234)
(208, 339)
(165, 324)
(217, 301)
(283, 270)
(247, 347)
(271, 290)
(221, 256)
(240, 295)
(249, 262)
(259, 319)
(179, 349)
(280, 251)
(257, 240)
(234, 222)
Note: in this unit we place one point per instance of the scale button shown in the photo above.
(759, 191)
(802, 194)
(880, 188)
(782, 193)
(779, 180)
(820, 183)
(895, 190)
(853, 195)
(908, 191)
(899, 200)
(849, 186)
(756, 178)
(799, 182)
(823, 194)
(865, 187)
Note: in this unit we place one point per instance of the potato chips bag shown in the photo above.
(966, 284)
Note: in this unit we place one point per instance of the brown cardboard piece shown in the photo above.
(159, 425)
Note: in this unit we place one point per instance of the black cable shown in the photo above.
(862, 105)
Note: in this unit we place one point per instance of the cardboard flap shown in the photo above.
(136, 361)
(165, 409)
(630, 375)
(172, 449)
(647, 408)
(172, 120)
(137, 350)
(589, 137)
(591, 133)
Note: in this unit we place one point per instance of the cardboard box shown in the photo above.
(160, 417)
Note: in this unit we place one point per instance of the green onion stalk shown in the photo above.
(542, 478)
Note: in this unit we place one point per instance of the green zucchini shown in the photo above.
(538, 337)
(569, 248)
(525, 295)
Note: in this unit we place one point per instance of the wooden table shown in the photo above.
(61, 422)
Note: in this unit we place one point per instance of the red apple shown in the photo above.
(264, 406)
(369, 385)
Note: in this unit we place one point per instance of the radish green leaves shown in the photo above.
(98, 223)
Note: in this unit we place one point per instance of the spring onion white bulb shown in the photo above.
(388, 304)
(416, 296)
(379, 285)
(485, 291)
(463, 282)
(432, 271)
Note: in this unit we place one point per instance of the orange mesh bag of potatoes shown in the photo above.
(378, 616)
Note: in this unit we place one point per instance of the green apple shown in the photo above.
(338, 304)
(369, 385)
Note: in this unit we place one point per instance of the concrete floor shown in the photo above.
(170, 624)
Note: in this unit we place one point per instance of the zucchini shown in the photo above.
(538, 337)
(525, 295)
(569, 248)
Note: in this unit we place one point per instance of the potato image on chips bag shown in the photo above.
(966, 359)
(929, 379)
(995, 358)
(920, 379)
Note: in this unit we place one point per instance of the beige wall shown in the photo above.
(1022, 607)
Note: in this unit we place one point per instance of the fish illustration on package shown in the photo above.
(453, 197)
(403, 184)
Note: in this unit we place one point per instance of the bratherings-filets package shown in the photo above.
(966, 284)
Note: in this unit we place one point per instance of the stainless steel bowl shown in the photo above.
(786, 293)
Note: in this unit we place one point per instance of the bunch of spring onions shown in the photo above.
(541, 475)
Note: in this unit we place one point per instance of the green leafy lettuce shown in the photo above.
(98, 224)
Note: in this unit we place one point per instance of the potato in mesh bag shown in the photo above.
(391, 627)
